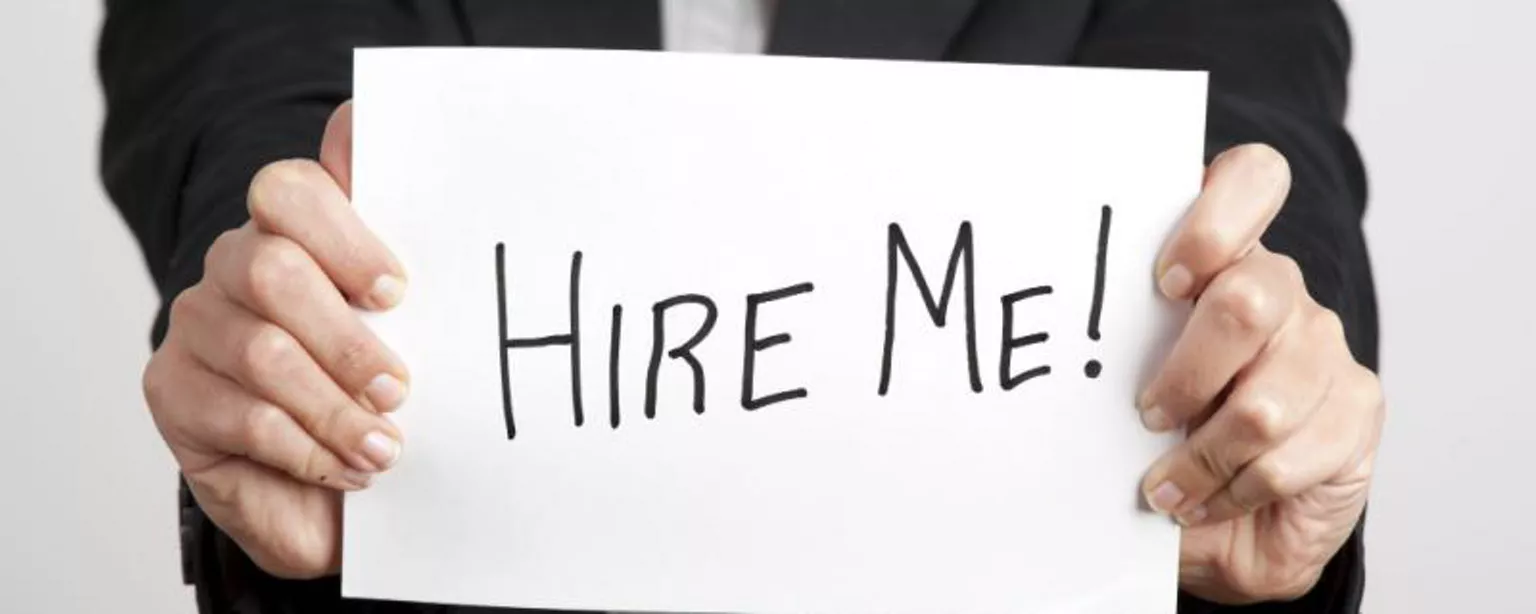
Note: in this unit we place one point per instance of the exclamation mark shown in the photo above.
(1093, 368)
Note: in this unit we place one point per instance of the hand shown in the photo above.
(268, 386)
(1283, 423)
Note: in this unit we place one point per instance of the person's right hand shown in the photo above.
(268, 388)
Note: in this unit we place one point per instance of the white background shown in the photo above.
(1442, 107)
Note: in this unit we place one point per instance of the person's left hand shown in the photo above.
(1283, 422)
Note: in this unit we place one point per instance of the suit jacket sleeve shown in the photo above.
(1278, 71)
(202, 94)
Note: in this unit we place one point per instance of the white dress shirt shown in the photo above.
(716, 26)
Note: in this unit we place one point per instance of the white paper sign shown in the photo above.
(804, 437)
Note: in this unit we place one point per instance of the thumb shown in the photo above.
(336, 148)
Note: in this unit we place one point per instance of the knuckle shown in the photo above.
(269, 353)
(1206, 243)
(1289, 269)
(1258, 418)
(1210, 460)
(271, 188)
(220, 249)
(1272, 475)
(1181, 391)
(1327, 325)
(1372, 392)
(332, 423)
(1244, 304)
(274, 268)
(1365, 389)
(155, 383)
(262, 426)
(1270, 479)
(218, 495)
(355, 359)
(184, 308)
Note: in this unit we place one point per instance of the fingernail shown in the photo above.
(1175, 282)
(1192, 517)
(355, 480)
(1165, 497)
(385, 392)
(1156, 420)
(1197, 572)
(387, 291)
(381, 449)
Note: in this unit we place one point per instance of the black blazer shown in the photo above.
(200, 94)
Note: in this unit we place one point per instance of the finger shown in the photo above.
(212, 419)
(1236, 317)
(1295, 467)
(273, 277)
(1336, 440)
(1244, 189)
(271, 364)
(298, 199)
(336, 147)
(1271, 400)
(290, 530)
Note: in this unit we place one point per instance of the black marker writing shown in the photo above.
(963, 254)
(1093, 368)
(753, 345)
(613, 366)
(506, 344)
(684, 351)
(1005, 374)
(959, 272)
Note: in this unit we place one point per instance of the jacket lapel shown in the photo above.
(595, 24)
(893, 29)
